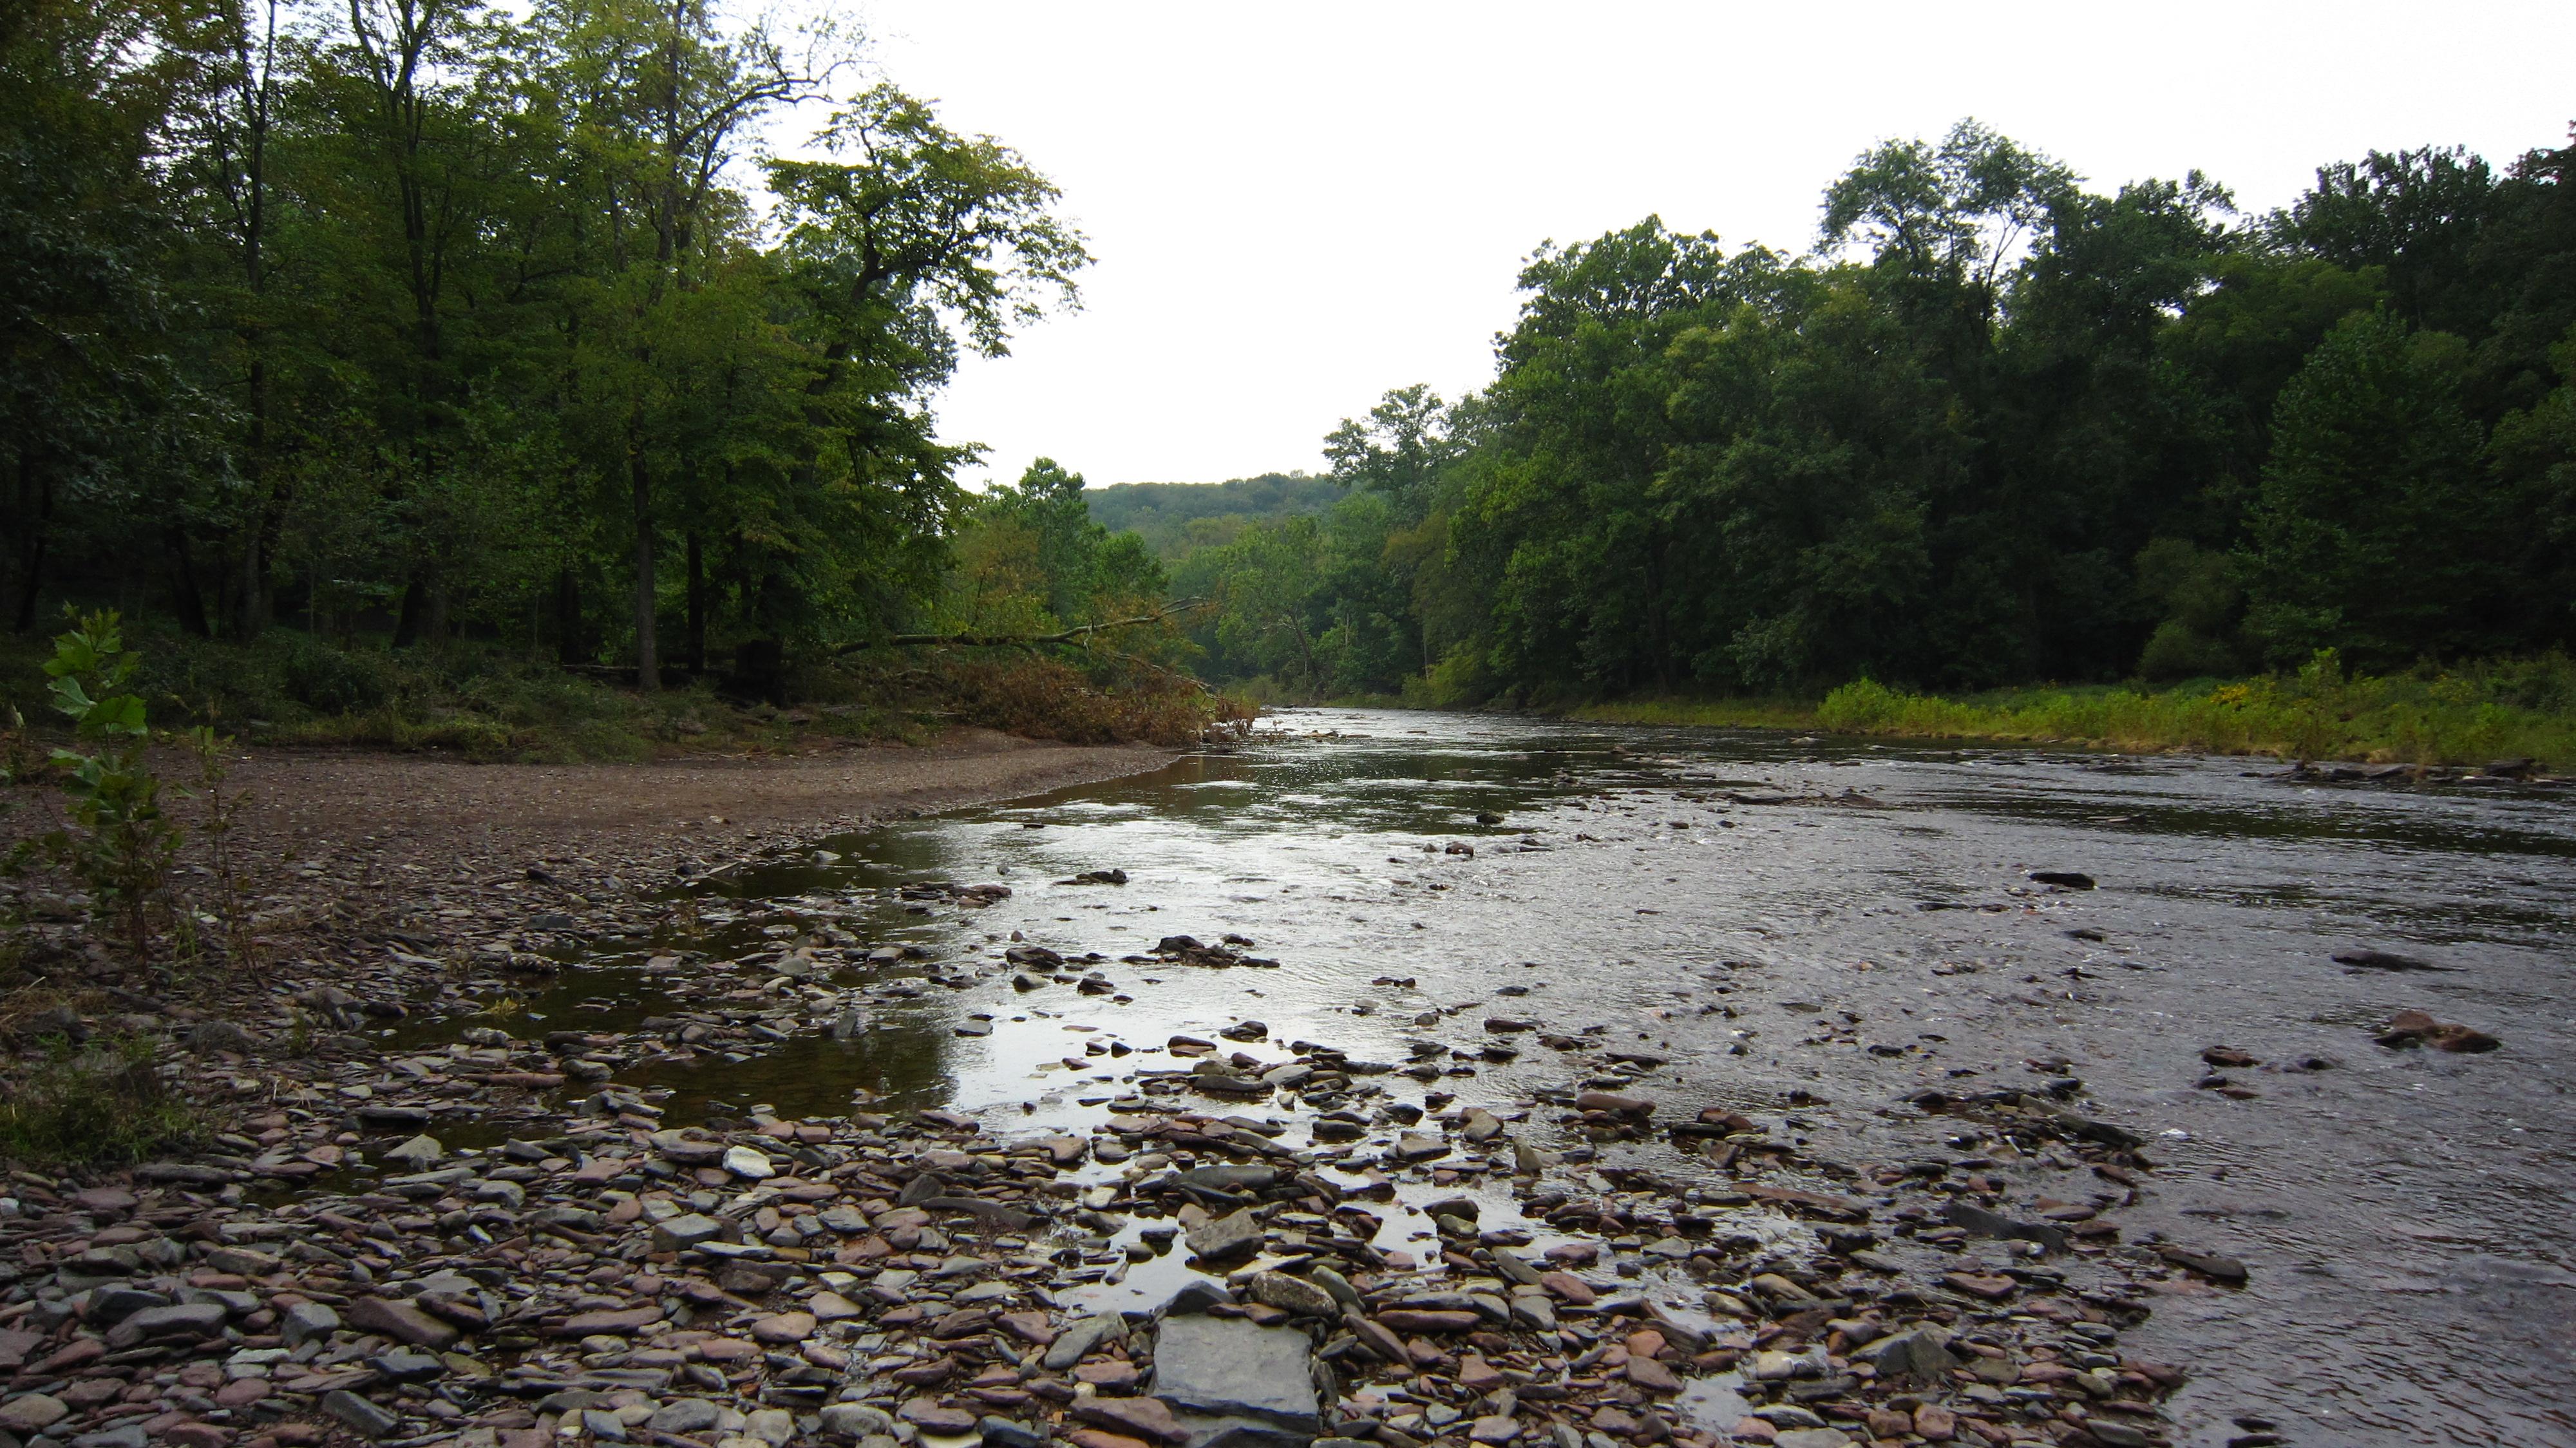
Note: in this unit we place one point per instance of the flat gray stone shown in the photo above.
(306, 1321)
(856, 1420)
(154, 1324)
(1071, 1344)
(1922, 1355)
(1226, 1367)
(681, 1233)
(684, 1415)
(366, 1419)
(1228, 1236)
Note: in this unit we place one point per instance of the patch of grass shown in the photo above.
(2471, 714)
(93, 1104)
(480, 701)
(1714, 713)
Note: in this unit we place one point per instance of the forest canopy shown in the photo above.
(1996, 426)
(416, 319)
(413, 321)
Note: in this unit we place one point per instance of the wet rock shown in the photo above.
(181, 1322)
(1077, 1340)
(927, 1415)
(749, 1164)
(109, 1306)
(852, 1420)
(1984, 1223)
(2228, 1056)
(418, 1154)
(2207, 1264)
(408, 1365)
(1428, 1319)
(1221, 1238)
(361, 1417)
(2063, 879)
(392, 1118)
(2384, 960)
(1146, 1419)
(1614, 1103)
(402, 1322)
(692, 1229)
(1291, 1294)
(1412, 1146)
(697, 1415)
(2416, 1028)
(30, 1413)
(1229, 1367)
(1920, 1356)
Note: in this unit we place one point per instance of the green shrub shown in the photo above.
(92, 1105)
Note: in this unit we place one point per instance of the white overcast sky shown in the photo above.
(1296, 207)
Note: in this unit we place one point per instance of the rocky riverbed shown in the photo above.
(812, 1143)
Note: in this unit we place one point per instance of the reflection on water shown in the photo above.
(1416, 872)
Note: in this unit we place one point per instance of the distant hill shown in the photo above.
(1176, 518)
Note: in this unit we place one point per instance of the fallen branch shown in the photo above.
(980, 641)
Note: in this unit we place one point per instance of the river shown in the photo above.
(1810, 930)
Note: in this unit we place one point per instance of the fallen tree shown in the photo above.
(1081, 633)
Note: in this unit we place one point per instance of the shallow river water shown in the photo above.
(1820, 927)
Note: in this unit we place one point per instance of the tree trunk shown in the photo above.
(697, 605)
(648, 667)
(185, 596)
(414, 603)
(35, 514)
(568, 647)
(250, 583)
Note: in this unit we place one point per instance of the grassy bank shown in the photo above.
(2502, 709)
(486, 701)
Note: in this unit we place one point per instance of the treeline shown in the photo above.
(414, 319)
(1998, 427)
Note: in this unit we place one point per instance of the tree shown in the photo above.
(2373, 532)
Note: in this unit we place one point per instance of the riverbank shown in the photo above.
(440, 1191)
(2500, 712)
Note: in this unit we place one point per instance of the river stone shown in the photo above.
(1228, 1236)
(1290, 1294)
(1812, 1438)
(30, 1412)
(1228, 1367)
(402, 1322)
(304, 1321)
(686, 1150)
(365, 1419)
(742, 1161)
(1922, 1355)
(696, 1415)
(153, 1324)
(681, 1233)
(109, 1306)
(419, 1154)
(407, 1365)
(855, 1420)
(1074, 1342)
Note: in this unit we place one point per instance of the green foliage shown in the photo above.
(98, 1104)
(2500, 710)
(116, 841)
(1174, 519)
(2376, 528)
(1997, 427)
(457, 320)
